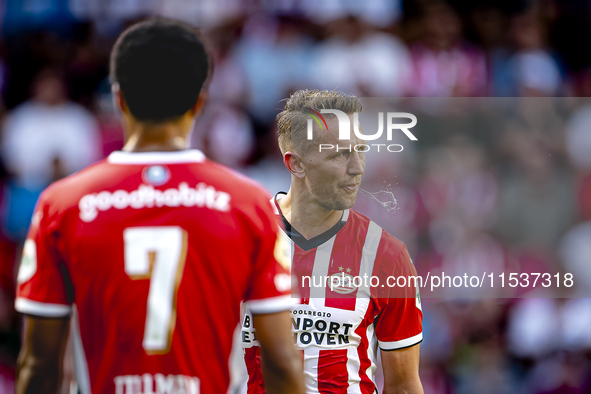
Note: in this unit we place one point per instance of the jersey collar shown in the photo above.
(297, 238)
(173, 157)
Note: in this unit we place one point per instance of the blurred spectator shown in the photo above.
(578, 138)
(224, 133)
(111, 131)
(576, 320)
(381, 13)
(537, 197)
(575, 254)
(228, 82)
(549, 337)
(533, 329)
(275, 54)
(444, 64)
(23, 15)
(86, 67)
(204, 12)
(45, 139)
(537, 71)
(531, 70)
(357, 59)
(566, 23)
(490, 25)
(578, 144)
(271, 173)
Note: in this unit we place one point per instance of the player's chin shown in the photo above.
(347, 200)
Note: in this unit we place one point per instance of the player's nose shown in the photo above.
(356, 164)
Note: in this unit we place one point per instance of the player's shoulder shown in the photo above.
(243, 190)
(67, 191)
(62, 197)
(389, 245)
(68, 188)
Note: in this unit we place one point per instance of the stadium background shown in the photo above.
(519, 198)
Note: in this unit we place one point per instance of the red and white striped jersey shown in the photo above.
(156, 251)
(340, 329)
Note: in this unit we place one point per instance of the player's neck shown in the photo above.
(168, 136)
(305, 215)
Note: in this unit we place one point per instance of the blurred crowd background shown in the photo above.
(500, 177)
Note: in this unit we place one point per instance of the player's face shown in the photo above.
(333, 177)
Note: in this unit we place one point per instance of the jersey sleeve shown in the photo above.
(269, 290)
(400, 323)
(41, 285)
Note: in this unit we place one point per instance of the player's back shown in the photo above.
(160, 249)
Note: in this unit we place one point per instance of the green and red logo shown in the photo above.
(317, 116)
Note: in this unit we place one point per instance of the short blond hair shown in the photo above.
(293, 120)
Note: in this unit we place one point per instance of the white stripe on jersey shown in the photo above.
(291, 249)
(368, 256)
(237, 368)
(345, 215)
(311, 356)
(80, 364)
(353, 365)
(320, 270)
(371, 352)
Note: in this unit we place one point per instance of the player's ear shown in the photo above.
(197, 109)
(118, 100)
(293, 163)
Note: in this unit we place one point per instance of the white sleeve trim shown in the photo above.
(271, 305)
(408, 342)
(24, 305)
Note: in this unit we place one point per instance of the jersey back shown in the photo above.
(153, 253)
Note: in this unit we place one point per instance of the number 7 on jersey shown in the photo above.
(157, 254)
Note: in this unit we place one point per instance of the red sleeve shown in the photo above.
(270, 287)
(400, 324)
(41, 286)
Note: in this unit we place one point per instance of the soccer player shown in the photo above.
(339, 328)
(152, 250)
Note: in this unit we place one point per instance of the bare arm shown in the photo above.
(281, 363)
(39, 367)
(401, 371)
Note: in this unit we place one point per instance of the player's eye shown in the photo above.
(341, 154)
